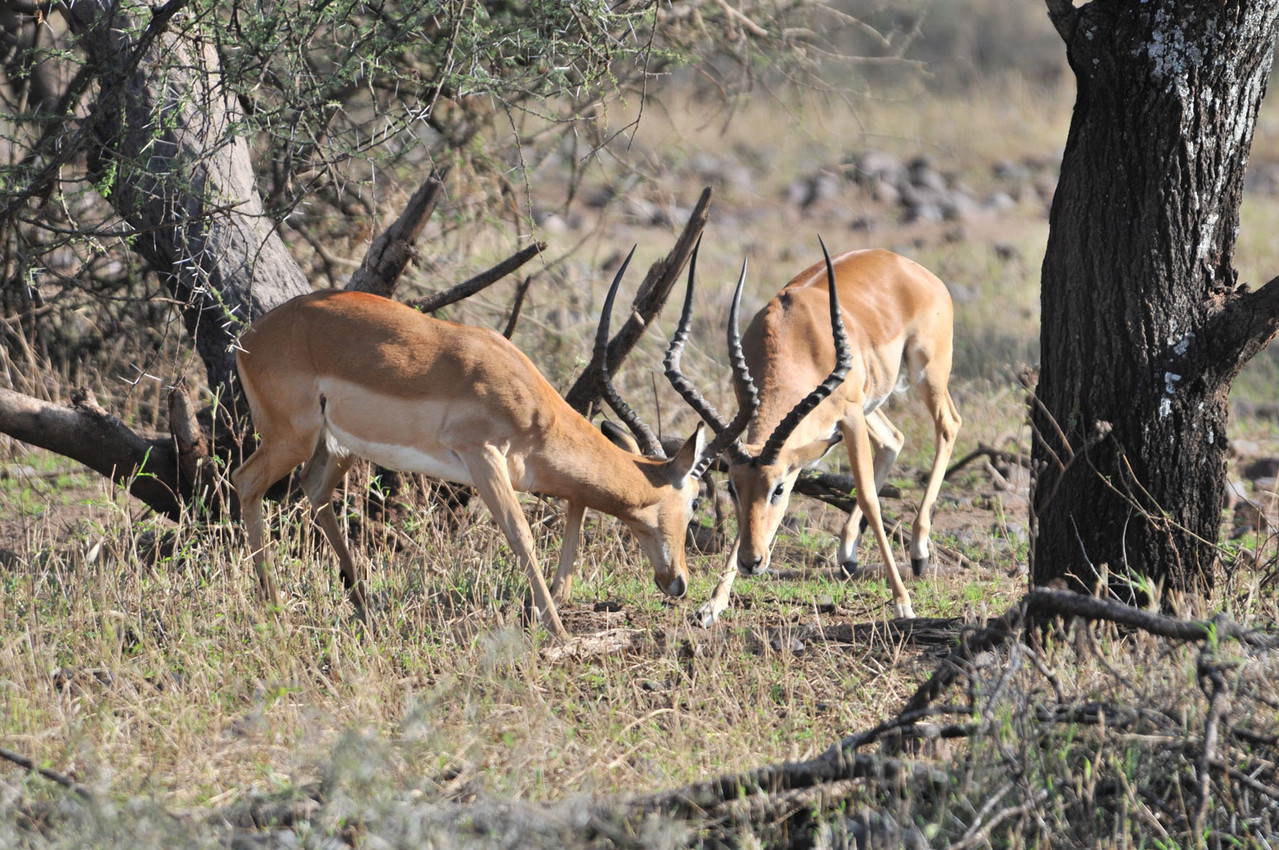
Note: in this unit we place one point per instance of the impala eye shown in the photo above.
(778, 491)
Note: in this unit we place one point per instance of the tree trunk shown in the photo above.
(165, 152)
(1144, 326)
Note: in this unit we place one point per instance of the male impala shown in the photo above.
(333, 375)
(884, 312)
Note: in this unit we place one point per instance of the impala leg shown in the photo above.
(856, 433)
(491, 477)
(718, 603)
(946, 422)
(264, 467)
(568, 553)
(320, 475)
(887, 442)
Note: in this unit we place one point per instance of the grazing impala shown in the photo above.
(334, 375)
(885, 312)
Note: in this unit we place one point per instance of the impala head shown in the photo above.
(761, 491)
(761, 477)
(661, 523)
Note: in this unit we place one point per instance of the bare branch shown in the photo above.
(467, 288)
(391, 251)
(1064, 17)
(649, 301)
(1246, 323)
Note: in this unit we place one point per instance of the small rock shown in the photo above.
(1007, 169)
(1266, 467)
(1006, 251)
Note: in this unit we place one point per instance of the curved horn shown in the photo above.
(648, 443)
(747, 396)
(843, 361)
(675, 351)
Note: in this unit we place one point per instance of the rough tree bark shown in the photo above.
(164, 144)
(1144, 323)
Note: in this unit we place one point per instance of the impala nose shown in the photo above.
(748, 565)
(676, 588)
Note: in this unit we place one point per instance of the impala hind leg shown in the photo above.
(491, 477)
(887, 442)
(857, 434)
(319, 477)
(568, 554)
(271, 462)
(946, 422)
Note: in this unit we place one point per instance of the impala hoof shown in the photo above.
(922, 566)
(904, 611)
(706, 616)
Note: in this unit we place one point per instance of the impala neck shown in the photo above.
(779, 391)
(774, 406)
(580, 464)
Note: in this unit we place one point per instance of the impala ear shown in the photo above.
(686, 458)
(619, 436)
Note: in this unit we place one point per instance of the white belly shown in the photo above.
(446, 464)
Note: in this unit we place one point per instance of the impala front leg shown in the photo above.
(718, 603)
(568, 553)
(491, 477)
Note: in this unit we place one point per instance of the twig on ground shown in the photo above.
(994, 455)
(1213, 680)
(52, 775)
(981, 836)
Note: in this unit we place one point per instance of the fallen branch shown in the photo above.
(147, 465)
(1044, 601)
(837, 490)
(994, 455)
(999, 631)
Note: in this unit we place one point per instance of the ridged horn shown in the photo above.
(648, 443)
(843, 361)
(675, 351)
(726, 435)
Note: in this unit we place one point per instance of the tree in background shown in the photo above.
(201, 159)
(1145, 324)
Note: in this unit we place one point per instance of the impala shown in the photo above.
(885, 313)
(333, 375)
